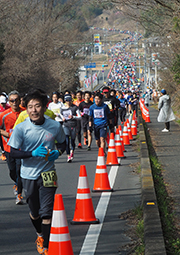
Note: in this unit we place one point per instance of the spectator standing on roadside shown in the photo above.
(165, 111)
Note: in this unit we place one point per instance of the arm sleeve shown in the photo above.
(61, 146)
(15, 153)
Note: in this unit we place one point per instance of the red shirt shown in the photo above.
(7, 120)
(3, 109)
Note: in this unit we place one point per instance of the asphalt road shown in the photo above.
(17, 235)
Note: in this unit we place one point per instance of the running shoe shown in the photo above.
(15, 190)
(80, 146)
(71, 154)
(19, 200)
(69, 159)
(165, 130)
(88, 148)
(3, 157)
(39, 244)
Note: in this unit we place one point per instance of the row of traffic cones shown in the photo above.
(60, 242)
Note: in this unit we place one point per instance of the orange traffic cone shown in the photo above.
(59, 241)
(133, 128)
(135, 118)
(129, 130)
(84, 211)
(126, 135)
(147, 116)
(111, 155)
(101, 182)
(118, 145)
(121, 137)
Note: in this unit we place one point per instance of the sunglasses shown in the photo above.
(14, 100)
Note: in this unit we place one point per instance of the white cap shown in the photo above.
(2, 100)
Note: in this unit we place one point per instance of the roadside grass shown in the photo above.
(134, 218)
(165, 203)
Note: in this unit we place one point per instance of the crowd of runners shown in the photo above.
(36, 128)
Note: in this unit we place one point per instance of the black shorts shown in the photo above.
(85, 125)
(100, 131)
(39, 198)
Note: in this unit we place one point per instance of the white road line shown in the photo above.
(91, 239)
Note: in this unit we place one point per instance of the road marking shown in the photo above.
(91, 239)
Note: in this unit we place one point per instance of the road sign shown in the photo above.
(90, 65)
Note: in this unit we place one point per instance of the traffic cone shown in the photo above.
(129, 130)
(133, 128)
(121, 137)
(147, 116)
(126, 135)
(84, 211)
(59, 241)
(111, 155)
(118, 145)
(135, 118)
(101, 182)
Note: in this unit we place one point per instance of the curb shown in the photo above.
(153, 235)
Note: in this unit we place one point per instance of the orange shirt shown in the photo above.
(77, 102)
(7, 120)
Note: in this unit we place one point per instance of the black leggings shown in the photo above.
(68, 144)
(78, 130)
(14, 166)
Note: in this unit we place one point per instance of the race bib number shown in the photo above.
(98, 113)
(86, 111)
(122, 105)
(66, 114)
(49, 179)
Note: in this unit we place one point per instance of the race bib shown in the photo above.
(49, 179)
(122, 105)
(86, 111)
(66, 114)
(98, 113)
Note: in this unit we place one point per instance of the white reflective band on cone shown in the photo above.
(126, 134)
(118, 144)
(59, 237)
(111, 150)
(59, 219)
(101, 171)
(101, 161)
(83, 183)
(111, 142)
(83, 196)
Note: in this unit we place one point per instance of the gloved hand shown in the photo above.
(40, 151)
(53, 155)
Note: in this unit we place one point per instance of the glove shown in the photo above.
(53, 155)
(41, 151)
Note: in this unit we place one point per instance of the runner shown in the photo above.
(3, 106)
(7, 120)
(99, 114)
(111, 103)
(78, 128)
(84, 109)
(69, 115)
(33, 141)
(56, 106)
(116, 106)
(122, 108)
